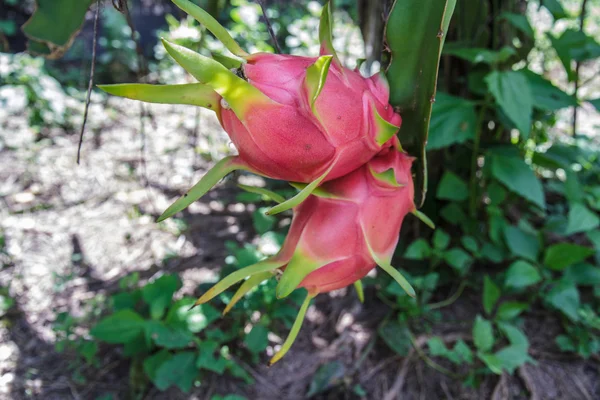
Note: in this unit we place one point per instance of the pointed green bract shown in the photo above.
(247, 286)
(212, 25)
(302, 195)
(227, 62)
(325, 33)
(424, 218)
(295, 272)
(233, 278)
(238, 93)
(319, 191)
(316, 75)
(210, 179)
(285, 347)
(359, 291)
(388, 176)
(263, 192)
(195, 94)
(385, 130)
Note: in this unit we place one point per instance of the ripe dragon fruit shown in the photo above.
(300, 119)
(343, 230)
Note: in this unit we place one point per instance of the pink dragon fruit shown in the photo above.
(343, 230)
(300, 119)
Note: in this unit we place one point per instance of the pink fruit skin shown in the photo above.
(285, 140)
(365, 210)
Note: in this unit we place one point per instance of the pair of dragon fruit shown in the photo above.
(323, 127)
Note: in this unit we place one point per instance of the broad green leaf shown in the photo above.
(483, 334)
(496, 193)
(437, 347)
(556, 9)
(562, 255)
(480, 55)
(327, 376)
(463, 351)
(595, 103)
(453, 121)
(209, 358)
(574, 45)
(152, 363)
(511, 358)
(581, 219)
(546, 96)
(565, 297)
(453, 213)
(418, 250)
(180, 370)
(492, 253)
(441, 239)
(396, 336)
(415, 39)
(121, 327)
(517, 176)
(262, 222)
(520, 22)
(159, 293)
(492, 362)
(54, 24)
(192, 319)
(137, 346)
(521, 274)
(458, 259)
(583, 274)
(257, 339)
(451, 187)
(470, 244)
(510, 310)
(168, 337)
(513, 94)
(521, 243)
(515, 336)
(491, 294)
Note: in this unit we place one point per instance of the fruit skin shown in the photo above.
(291, 139)
(348, 225)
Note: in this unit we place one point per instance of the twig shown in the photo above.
(449, 300)
(269, 26)
(396, 388)
(91, 82)
(577, 67)
(382, 364)
(528, 380)
(500, 392)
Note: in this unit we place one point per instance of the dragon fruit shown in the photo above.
(299, 119)
(343, 230)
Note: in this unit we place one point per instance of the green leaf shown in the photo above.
(451, 187)
(470, 244)
(121, 327)
(546, 96)
(556, 9)
(418, 250)
(437, 347)
(574, 45)
(257, 339)
(492, 362)
(152, 363)
(521, 243)
(581, 219)
(413, 69)
(510, 310)
(517, 176)
(159, 293)
(492, 253)
(453, 213)
(193, 320)
(262, 222)
(496, 193)
(565, 297)
(480, 55)
(595, 103)
(521, 274)
(583, 274)
(207, 358)
(515, 336)
(562, 255)
(168, 337)
(458, 259)
(180, 370)
(463, 351)
(483, 334)
(327, 376)
(520, 22)
(441, 240)
(453, 121)
(513, 94)
(491, 294)
(396, 336)
(511, 358)
(55, 23)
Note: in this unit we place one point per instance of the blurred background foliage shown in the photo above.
(513, 187)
